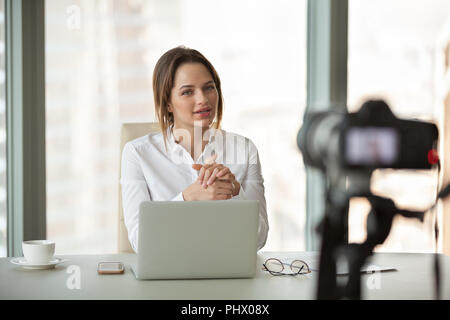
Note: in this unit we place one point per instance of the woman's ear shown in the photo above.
(169, 107)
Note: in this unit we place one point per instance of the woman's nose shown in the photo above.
(200, 97)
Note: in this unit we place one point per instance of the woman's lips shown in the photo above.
(203, 114)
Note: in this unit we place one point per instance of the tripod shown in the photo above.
(335, 247)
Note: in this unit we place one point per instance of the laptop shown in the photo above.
(197, 239)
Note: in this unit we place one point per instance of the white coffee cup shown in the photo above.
(38, 251)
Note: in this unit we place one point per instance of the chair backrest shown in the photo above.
(128, 132)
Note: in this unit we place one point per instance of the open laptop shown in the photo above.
(197, 239)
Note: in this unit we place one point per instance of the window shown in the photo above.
(395, 54)
(100, 57)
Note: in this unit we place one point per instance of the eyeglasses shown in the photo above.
(275, 267)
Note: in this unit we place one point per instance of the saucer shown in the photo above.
(25, 264)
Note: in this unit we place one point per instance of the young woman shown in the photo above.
(192, 158)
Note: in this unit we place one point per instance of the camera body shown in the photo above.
(372, 138)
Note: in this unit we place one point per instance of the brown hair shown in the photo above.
(163, 82)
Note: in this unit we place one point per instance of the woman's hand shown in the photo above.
(209, 173)
(219, 190)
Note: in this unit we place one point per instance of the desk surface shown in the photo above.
(413, 280)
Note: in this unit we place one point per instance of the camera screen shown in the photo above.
(371, 146)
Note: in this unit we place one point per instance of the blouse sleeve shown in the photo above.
(252, 188)
(134, 191)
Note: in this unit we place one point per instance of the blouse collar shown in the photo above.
(173, 145)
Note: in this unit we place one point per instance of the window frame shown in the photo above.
(25, 122)
(327, 41)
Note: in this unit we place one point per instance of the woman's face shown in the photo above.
(194, 97)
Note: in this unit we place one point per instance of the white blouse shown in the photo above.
(150, 173)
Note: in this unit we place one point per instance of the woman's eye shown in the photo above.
(185, 93)
(210, 87)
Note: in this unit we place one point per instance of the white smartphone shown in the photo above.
(110, 268)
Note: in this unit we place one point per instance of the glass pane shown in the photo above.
(3, 245)
(396, 53)
(100, 57)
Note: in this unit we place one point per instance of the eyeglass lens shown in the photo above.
(276, 266)
(298, 266)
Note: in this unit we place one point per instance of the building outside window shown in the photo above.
(395, 53)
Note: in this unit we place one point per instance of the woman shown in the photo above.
(192, 158)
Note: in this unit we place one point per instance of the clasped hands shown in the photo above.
(214, 182)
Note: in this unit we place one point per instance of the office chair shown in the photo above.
(128, 132)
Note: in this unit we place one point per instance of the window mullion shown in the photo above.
(326, 90)
(25, 116)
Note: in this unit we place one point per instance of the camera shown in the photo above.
(369, 139)
(347, 148)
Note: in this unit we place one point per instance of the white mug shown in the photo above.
(38, 251)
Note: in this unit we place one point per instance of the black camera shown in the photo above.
(347, 148)
(368, 139)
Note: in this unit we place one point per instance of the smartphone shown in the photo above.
(110, 268)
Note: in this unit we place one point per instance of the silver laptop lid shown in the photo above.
(197, 239)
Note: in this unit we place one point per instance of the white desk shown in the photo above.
(413, 280)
